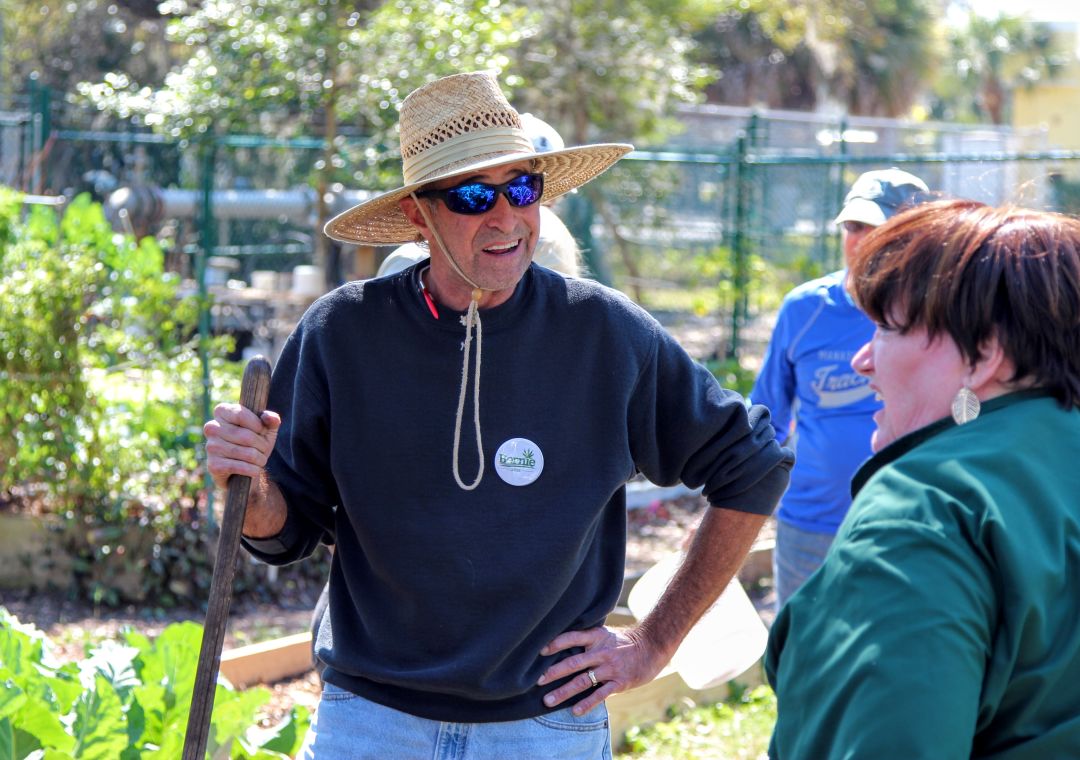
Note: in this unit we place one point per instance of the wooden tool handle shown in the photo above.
(254, 389)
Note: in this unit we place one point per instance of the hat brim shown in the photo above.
(380, 221)
(863, 211)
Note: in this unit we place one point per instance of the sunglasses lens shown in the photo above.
(480, 197)
(525, 190)
(473, 198)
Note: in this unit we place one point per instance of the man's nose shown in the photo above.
(502, 215)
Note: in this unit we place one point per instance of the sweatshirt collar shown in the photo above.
(452, 320)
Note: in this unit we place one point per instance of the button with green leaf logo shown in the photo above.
(519, 461)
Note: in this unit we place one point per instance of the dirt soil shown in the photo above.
(653, 531)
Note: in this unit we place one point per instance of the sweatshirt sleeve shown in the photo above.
(685, 427)
(298, 464)
(775, 384)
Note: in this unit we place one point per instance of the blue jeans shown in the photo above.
(348, 727)
(796, 555)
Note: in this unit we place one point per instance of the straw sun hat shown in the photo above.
(460, 125)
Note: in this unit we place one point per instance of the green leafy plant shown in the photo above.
(732, 374)
(128, 699)
(739, 727)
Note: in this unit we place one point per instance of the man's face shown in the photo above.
(493, 248)
(853, 233)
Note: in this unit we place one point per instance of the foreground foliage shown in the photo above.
(128, 699)
(738, 729)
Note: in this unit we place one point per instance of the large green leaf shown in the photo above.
(234, 713)
(39, 719)
(99, 727)
(21, 646)
(54, 754)
(289, 733)
(174, 657)
(16, 743)
(11, 696)
(63, 684)
(7, 740)
(115, 663)
(148, 713)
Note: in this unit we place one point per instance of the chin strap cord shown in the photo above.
(472, 320)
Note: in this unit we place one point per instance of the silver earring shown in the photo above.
(965, 406)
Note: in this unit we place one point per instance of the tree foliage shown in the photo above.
(988, 58)
(283, 67)
(761, 56)
(41, 37)
(875, 54)
(613, 69)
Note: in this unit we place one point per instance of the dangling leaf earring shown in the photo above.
(965, 406)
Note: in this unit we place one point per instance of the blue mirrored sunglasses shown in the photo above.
(480, 197)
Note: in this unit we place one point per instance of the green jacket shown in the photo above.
(945, 622)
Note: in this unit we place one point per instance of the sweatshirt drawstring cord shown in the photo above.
(472, 318)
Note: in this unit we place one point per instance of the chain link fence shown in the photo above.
(712, 228)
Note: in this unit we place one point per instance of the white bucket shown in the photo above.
(723, 644)
(262, 279)
(307, 281)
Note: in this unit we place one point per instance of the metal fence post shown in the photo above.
(836, 246)
(207, 156)
(739, 243)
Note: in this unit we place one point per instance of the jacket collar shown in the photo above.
(906, 443)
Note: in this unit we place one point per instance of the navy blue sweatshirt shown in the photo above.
(441, 598)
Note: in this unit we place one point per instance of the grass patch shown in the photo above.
(736, 729)
(698, 300)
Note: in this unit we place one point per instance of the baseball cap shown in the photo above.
(877, 195)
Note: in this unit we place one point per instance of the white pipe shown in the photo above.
(296, 205)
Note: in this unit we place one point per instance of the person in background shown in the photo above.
(463, 430)
(818, 403)
(943, 623)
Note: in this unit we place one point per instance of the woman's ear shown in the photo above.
(992, 373)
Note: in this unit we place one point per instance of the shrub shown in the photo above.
(101, 413)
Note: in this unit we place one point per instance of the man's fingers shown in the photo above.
(253, 451)
(579, 685)
(570, 639)
(238, 441)
(574, 686)
(594, 699)
(579, 663)
(241, 416)
(226, 434)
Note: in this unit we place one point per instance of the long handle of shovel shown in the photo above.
(253, 392)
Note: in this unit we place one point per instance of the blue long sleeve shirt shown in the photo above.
(807, 377)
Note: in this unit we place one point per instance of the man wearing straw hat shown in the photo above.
(463, 431)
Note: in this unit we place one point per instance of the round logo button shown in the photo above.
(519, 461)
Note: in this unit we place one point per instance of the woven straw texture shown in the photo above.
(450, 107)
(455, 126)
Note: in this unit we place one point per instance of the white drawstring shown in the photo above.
(472, 317)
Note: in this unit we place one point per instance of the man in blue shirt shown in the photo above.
(817, 400)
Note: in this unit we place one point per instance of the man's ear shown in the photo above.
(409, 208)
